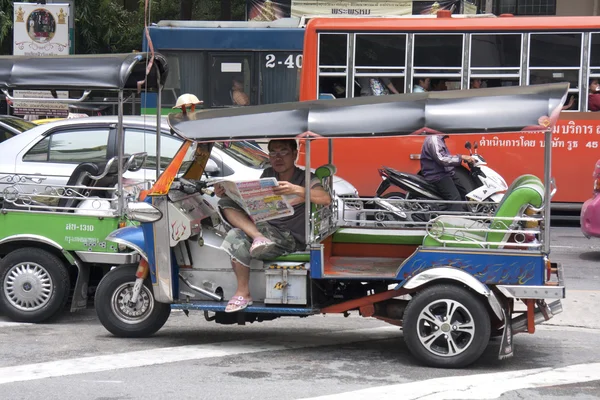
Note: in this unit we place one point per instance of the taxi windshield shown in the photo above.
(248, 153)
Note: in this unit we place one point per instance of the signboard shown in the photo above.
(40, 30)
(40, 108)
(270, 10)
(351, 7)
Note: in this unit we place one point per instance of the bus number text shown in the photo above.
(290, 61)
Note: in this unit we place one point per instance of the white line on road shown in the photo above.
(6, 324)
(165, 355)
(481, 386)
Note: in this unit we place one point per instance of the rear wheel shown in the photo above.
(35, 285)
(446, 326)
(141, 319)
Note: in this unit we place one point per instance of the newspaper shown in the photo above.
(258, 199)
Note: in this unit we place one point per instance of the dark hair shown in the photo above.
(291, 143)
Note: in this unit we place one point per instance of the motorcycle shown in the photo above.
(421, 201)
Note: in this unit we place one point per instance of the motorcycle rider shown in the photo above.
(437, 167)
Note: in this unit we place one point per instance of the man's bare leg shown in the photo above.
(242, 274)
(239, 219)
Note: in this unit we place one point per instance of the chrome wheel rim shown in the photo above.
(139, 312)
(28, 286)
(446, 328)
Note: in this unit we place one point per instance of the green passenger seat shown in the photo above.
(525, 191)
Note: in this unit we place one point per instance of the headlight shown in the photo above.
(143, 212)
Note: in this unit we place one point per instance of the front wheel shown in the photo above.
(446, 326)
(145, 318)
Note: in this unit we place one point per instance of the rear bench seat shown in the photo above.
(526, 190)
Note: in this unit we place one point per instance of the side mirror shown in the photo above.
(212, 169)
(475, 145)
(468, 145)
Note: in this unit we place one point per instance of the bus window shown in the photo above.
(495, 60)
(279, 76)
(186, 75)
(333, 60)
(556, 57)
(594, 74)
(230, 80)
(438, 57)
(379, 64)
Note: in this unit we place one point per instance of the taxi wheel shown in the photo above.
(122, 319)
(34, 285)
(446, 326)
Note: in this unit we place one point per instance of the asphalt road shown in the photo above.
(325, 357)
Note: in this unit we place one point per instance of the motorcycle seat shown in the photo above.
(419, 180)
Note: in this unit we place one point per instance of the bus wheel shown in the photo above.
(446, 326)
(143, 319)
(34, 285)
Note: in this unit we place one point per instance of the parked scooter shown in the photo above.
(484, 191)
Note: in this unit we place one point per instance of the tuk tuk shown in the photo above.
(450, 284)
(53, 245)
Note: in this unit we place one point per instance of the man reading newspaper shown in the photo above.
(275, 237)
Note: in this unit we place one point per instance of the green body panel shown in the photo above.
(378, 236)
(71, 231)
(294, 257)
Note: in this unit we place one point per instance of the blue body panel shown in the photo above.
(196, 38)
(316, 269)
(133, 235)
(259, 309)
(492, 268)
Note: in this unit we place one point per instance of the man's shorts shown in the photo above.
(237, 244)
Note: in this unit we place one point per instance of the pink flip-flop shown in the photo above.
(261, 245)
(238, 303)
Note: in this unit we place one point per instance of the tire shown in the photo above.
(427, 341)
(112, 294)
(34, 285)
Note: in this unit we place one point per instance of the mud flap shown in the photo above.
(506, 345)
(80, 293)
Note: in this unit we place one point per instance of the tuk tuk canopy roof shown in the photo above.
(505, 109)
(81, 72)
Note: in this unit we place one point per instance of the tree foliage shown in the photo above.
(105, 26)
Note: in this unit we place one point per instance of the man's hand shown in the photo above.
(288, 188)
(219, 190)
(468, 159)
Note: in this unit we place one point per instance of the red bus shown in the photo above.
(344, 56)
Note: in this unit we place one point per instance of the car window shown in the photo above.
(139, 140)
(5, 134)
(17, 123)
(72, 146)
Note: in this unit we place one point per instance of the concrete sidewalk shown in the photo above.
(581, 308)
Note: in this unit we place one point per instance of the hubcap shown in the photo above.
(446, 328)
(139, 312)
(28, 286)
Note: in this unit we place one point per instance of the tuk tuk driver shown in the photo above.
(269, 239)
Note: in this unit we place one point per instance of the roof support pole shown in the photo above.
(120, 154)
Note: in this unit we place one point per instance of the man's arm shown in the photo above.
(318, 195)
(437, 145)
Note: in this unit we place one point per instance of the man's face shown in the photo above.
(282, 157)
(594, 86)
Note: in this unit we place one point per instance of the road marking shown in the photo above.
(481, 386)
(7, 324)
(134, 359)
